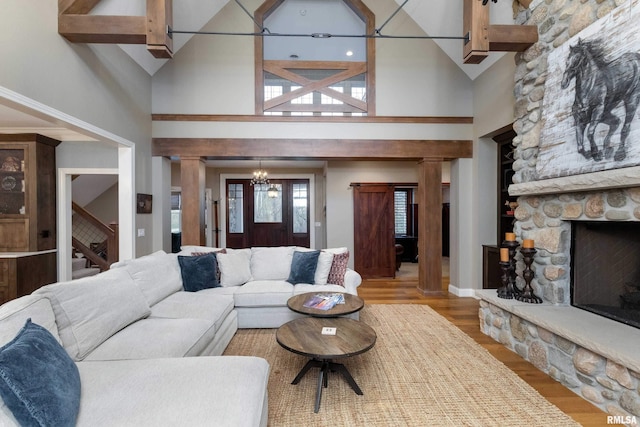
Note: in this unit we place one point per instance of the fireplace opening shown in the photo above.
(605, 266)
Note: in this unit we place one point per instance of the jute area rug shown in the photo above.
(422, 371)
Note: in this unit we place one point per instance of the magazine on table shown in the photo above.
(324, 301)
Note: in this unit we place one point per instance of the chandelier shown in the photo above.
(259, 176)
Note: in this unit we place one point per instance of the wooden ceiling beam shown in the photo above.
(159, 19)
(77, 26)
(475, 26)
(320, 149)
(76, 7)
(484, 38)
(103, 29)
(512, 38)
(525, 3)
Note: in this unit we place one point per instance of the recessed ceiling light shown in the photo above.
(349, 53)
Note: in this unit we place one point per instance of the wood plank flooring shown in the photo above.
(463, 312)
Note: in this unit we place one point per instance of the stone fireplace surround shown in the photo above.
(593, 356)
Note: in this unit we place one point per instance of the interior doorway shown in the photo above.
(406, 223)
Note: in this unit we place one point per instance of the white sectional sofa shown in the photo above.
(129, 333)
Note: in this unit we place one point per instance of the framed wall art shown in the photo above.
(143, 203)
(590, 109)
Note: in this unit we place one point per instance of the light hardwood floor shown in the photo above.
(463, 312)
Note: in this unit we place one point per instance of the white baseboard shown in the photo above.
(462, 293)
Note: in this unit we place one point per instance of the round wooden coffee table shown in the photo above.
(306, 336)
(352, 303)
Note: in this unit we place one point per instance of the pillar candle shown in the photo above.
(510, 237)
(527, 243)
(504, 254)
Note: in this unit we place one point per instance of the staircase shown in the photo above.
(96, 241)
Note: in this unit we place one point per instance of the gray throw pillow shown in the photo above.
(303, 267)
(199, 272)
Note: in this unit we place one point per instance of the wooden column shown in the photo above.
(192, 181)
(430, 227)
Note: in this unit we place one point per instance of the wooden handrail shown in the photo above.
(90, 255)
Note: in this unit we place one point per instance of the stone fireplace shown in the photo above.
(585, 345)
(605, 272)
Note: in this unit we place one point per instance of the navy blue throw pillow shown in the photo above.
(303, 267)
(199, 272)
(39, 382)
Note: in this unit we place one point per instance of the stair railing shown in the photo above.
(103, 252)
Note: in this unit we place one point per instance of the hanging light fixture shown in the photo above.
(273, 191)
(259, 176)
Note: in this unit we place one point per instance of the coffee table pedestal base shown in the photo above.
(325, 366)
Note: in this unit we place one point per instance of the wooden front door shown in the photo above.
(258, 217)
(374, 244)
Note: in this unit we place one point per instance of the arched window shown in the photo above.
(316, 72)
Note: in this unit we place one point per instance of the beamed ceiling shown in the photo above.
(434, 17)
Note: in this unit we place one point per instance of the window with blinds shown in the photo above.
(401, 202)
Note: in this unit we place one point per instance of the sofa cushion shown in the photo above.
(199, 272)
(234, 267)
(157, 275)
(189, 305)
(324, 265)
(190, 249)
(271, 263)
(156, 338)
(263, 293)
(39, 382)
(14, 313)
(303, 267)
(338, 268)
(90, 310)
(196, 391)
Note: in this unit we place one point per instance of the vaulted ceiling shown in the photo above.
(435, 17)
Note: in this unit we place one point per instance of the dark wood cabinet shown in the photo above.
(491, 273)
(21, 274)
(28, 256)
(27, 193)
(506, 204)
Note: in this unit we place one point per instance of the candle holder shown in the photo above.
(512, 245)
(527, 295)
(506, 290)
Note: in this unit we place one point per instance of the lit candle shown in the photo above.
(527, 243)
(510, 237)
(504, 254)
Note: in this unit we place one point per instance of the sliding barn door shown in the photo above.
(374, 243)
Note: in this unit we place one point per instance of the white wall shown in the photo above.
(473, 205)
(214, 74)
(97, 84)
(340, 175)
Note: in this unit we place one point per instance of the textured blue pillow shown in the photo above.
(39, 382)
(303, 267)
(199, 272)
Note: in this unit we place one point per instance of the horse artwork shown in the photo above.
(590, 108)
(600, 86)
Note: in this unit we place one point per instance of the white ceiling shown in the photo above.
(435, 17)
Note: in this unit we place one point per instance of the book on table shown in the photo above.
(324, 301)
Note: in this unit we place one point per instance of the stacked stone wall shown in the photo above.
(605, 383)
(546, 219)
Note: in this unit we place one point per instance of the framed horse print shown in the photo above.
(590, 109)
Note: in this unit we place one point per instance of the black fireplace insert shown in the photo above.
(605, 269)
